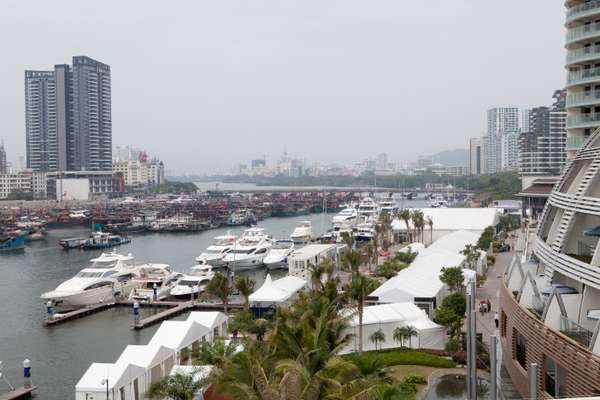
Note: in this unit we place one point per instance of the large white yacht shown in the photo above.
(153, 277)
(388, 205)
(368, 210)
(108, 276)
(346, 216)
(249, 250)
(302, 233)
(364, 232)
(194, 283)
(279, 253)
(214, 253)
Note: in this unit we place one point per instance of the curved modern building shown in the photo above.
(583, 71)
(550, 302)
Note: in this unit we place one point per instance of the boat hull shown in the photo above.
(69, 302)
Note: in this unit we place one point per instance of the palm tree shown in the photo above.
(215, 353)
(409, 332)
(351, 260)
(418, 222)
(430, 224)
(176, 387)
(357, 291)
(245, 286)
(400, 335)
(348, 239)
(220, 288)
(370, 254)
(376, 337)
(320, 272)
(406, 217)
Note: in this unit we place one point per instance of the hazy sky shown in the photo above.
(206, 84)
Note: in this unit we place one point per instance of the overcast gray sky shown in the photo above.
(206, 84)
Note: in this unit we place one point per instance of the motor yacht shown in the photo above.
(302, 233)
(364, 232)
(279, 253)
(388, 205)
(108, 276)
(346, 216)
(194, 283)
(368, 210)
(214, 253)
(153, 277)
(249, 250)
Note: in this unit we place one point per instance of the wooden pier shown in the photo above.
(173, 308)
(20, 393)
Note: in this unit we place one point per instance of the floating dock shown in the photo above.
(20, 393)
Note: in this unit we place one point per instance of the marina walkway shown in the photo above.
(19, 393)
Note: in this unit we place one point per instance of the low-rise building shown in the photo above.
(84, 185)
(140, 173)
(26, 182)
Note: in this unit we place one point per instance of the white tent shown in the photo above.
(388, 317)
(214, 321)
(178, 335)
(278, 291)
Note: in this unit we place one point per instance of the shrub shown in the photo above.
(407, 390)
(415, 379)
(491, 260)
(390, 268)
(406, 257)
(453, 345)
(486, 238)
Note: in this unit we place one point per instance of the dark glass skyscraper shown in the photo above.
(68, 117)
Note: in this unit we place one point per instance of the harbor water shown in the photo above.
(61, 354)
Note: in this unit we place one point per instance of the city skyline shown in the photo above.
(305, 93)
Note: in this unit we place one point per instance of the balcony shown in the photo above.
(574, 143)
(583, 76)
(583, 120)
(583, 54)
(583, 99)
(575, 331)
(583, 32)
(583, 10)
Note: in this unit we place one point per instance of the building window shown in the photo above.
(520, 346)
(555, 378)
(503, 321)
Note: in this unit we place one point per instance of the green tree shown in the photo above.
(405, 216)
(351, 259)
(357, 291)
(245, 286)
(471, 254)
(215, 353)
(220, 288)
(486, 238)
(453, 278)
(176, 387)
(377, 337)
(456, 302)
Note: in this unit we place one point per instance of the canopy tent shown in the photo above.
(178, 335)
(277, 291)
(388, 317)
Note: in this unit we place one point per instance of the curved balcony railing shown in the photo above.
(583, 76)
(583, 54)
(574, 143)
(583, 10)
(583, 32)
(583, 120)
(566, 265)
(583, 99)
(582, 204)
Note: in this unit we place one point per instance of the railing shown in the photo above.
(575, 331)
(583, 32)
(583, 120)
(583, 54)
(589, 8)
(574, 142)
(583, 99)
(583, 75)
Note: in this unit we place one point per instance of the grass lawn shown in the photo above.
(401, 371)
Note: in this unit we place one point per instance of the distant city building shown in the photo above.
(542, 148)
(139, 171)
(126, 153)
(259, 163)
(27, 182)
(3, 162)
(509, 151)
(84, 185)
(156, 172)
(68, 118)
(500, 120)
(477, 156)
(444, 170)
(424, 162)
(525, 115)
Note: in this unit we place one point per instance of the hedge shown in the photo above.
(412, 357)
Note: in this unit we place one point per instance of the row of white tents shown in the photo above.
(139, 366)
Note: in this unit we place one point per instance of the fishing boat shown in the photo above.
(11, 243)
(103, 240)
(72, 243)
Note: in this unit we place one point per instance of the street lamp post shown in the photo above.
(105, 382)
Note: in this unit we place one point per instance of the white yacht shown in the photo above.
(279, 253)
(194, 283)
(249, 250)
(214, 253)
(368, 210)
(151, 277)
(364, 232)
(108, 276)
(438, 202)
(346, 216)
(388, 205)
(302, 233)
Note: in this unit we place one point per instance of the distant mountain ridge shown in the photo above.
(452, 157)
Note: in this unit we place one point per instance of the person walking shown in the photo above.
(497, 319)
